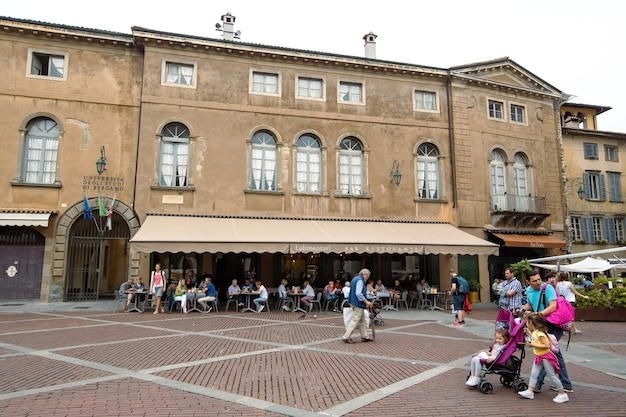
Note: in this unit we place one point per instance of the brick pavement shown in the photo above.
(77, 359)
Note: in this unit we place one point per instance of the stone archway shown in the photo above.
(69, 229)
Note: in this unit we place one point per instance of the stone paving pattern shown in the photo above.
(83, 359)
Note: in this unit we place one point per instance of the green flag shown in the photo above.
(102, 207)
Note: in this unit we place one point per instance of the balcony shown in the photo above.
(518, 211)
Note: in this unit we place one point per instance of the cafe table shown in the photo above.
(297, 296)
(135, 304)
(249, 296)
(434, 296)
(193, 296)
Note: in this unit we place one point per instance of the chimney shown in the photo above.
(370, 45)
(228, 30)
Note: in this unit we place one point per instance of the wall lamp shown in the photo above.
(396, 176)
(581, 188)
(101, 164)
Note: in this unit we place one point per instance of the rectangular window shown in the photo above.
(310, 88)
(618, 226)
(577, 233)
(594, 186)
(518, 113)
(597, 229)
(496, 109)
(425, 100)
(610, 153)
(179, 74)
(44, 64)
(591, 150)
(615, 186)
(263, 82)
(350, 92)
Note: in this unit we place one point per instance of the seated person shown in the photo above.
(125, 291)
(587, 282)
(345, 291)
(263, 296)
(422, 286)
(309, 294)
(139, 288)
(234, 292)
(282, 294)
(180, 294)
(371, 292)
(208, 294)
(379, 287)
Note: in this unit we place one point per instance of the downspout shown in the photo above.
(451, 138)
(138, 132)
(563, 180)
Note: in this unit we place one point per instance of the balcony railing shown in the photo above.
(518, 203)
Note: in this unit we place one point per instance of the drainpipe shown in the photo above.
(564, 195)
(451, 138)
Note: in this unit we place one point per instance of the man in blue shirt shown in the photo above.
(358, 302)
(544, 307)
(211, 293)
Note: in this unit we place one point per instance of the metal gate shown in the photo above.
(89, 257)
(21, 260)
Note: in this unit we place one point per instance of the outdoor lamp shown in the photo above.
(396, 176)
(101, 164)
(581, 189)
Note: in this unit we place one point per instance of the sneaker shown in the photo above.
(462, 324)
(241, 304)
(553, 388)
(561, 398)
(286, 308)
(261, 308)
(208, 309)
(527, 394)
(472, 381)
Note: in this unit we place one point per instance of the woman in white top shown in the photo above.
(565, 288)
(157, 285)
(262, 298)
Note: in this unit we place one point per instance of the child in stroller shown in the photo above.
(501, 338)
(506, 363)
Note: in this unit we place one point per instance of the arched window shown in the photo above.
(520, 175)
(498, 180)
(308, 165)
(263, 161)
(40, 152)
(351, 167)
(428, 182)
(174, 156)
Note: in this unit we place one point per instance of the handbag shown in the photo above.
(563, 316)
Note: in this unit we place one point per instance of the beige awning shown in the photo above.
(530, 241)
(24, 219)
(166, 233)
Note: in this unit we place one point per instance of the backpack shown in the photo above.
(463, 286)
(554, 344)
(563, 316)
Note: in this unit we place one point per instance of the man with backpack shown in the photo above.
(459, 290)
(545, 305)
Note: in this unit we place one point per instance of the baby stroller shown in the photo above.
(509, 362)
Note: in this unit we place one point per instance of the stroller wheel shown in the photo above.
(507, 382)
(381, 323)
(520, 386)
(485, 387)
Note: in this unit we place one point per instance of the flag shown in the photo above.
(110, 214)
(102, 208)
(87, 211)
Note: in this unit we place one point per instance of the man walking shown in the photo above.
(458, 298)
(358, 302)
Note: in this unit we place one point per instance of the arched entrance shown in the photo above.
(97, 259)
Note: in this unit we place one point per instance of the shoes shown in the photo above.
(367, 339)
(459, 324)
(286, 308)
(261, 308)
(527, 394)
(561, 398)
(472, 381)
(156, 312)
(553, 388)
(578, 331)
(241, 304)
(185, 312)
(208, 309)
(350, 341)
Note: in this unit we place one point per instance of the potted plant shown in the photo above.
(603, 305)
(474, 287)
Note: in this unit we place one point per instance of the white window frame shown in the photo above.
(577, 230)
(308, 178)
(264, 162)
(308, 79)
(351, 85)
(41, 152)
(50, 54)
(180, 152)
(524, 113)
(502, 105)
(421, 104)
(266, 75)
(611, 153)
(351, 169)
(428, 172)
(170, 63)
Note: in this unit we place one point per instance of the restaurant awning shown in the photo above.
(530, 241)
(24, 219)
(173, 233)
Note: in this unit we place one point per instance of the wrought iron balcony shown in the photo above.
(511, 210)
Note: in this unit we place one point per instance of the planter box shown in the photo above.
(474, 296)
(601, 314)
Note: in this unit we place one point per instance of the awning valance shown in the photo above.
(24, 219)
(530, 241)
(166, 233)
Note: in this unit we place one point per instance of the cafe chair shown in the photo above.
(317, 301)
(235, 302)
(176, 304)
(284, 302)
(118, 302)
(423, 301)
(402, 300)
